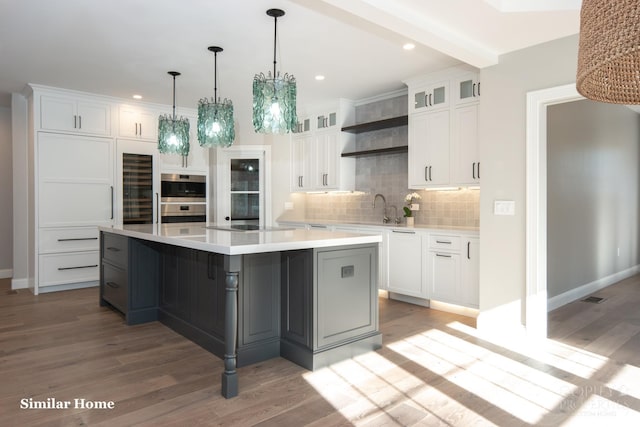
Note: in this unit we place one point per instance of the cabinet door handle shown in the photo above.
(430, 98)
(478, 88)
(443, 242)
(478, 170)
(473, 168)
(136, 129)
(157, 207)
(77, 239)
(78, 267)
(79, 122)
(469, 250)
(403, 232)
(113, 249)
(111, 202)
(443, 256)
(75, 122)
(140, 127)
(473, 90)
(430, 174)
(112, 285)
(426, 176)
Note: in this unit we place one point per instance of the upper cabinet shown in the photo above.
(316, 149)
(75, 115)
(136, 122)
(466, 88)
(443, 132)
(429, 97)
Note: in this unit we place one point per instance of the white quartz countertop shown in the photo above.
(198, 236)
(364, 226)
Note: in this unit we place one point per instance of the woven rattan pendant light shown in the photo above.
(609, 51)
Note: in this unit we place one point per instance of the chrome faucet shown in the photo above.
(396, 218)
(385, 218)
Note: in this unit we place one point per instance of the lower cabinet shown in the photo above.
(126, 261)
(406, 269)
(328, 304)
(453, 263)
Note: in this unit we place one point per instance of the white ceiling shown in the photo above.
(122, 47)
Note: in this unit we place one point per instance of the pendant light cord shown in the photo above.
(215, 77)
(174, 98)
(275, 40)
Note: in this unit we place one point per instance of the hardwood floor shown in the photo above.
(434, 370)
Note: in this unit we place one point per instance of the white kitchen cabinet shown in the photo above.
(470, 272)
(443, 137)
(465, 150)
(301, 162)
(444, 276)
(466, 88)
(406, 269)
(316, 156)
(430, 97)
(74, 195)
(137, 122)
(75, 180)
(74, 115)
(328, 156)
(429, 149)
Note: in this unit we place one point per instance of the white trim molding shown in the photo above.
(6, 273)
(536, 203)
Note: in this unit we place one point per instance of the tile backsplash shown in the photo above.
(387, 174)
(450, 208)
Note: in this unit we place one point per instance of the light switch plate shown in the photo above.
(504, 207)
(288, 206)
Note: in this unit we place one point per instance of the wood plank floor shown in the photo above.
(434, 370)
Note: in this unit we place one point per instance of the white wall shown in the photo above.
(6, 194)
(593, 193)
(502, 133)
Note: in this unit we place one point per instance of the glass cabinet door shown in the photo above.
(245, 190)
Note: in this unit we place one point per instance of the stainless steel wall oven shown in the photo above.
(184, 198)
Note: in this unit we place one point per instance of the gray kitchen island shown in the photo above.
(309, 296)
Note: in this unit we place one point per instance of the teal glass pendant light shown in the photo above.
(274, 96)
(173, 133)
(215, 118)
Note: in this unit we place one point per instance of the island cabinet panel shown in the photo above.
(192, 295)
(259, 301)
(126, 262)
(297, 289)
(345, 302)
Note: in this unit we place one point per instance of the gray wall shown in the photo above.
(6, 191)
(502, 133)
(593, 191)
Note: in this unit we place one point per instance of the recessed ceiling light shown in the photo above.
(137, 96)
(319, 77)
(409, 46)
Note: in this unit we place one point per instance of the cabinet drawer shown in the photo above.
(444, 242)
(69, 239)
(114, 249)
(74, 267)
(114, 286)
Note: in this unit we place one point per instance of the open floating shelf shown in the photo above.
(377, 125)
(377, 151)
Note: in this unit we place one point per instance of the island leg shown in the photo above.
(232, 265)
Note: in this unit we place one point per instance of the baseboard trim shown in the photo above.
(7, 273)
(589, 288)
(19, 284)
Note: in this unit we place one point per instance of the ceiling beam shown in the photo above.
(419, 28)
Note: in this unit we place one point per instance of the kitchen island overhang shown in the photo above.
(307, 295)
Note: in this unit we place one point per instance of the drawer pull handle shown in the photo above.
(112, 285)
(443, 256)
(444, 242)
(403, 232)
(112, 249)
(76, 268)
(77, 239)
